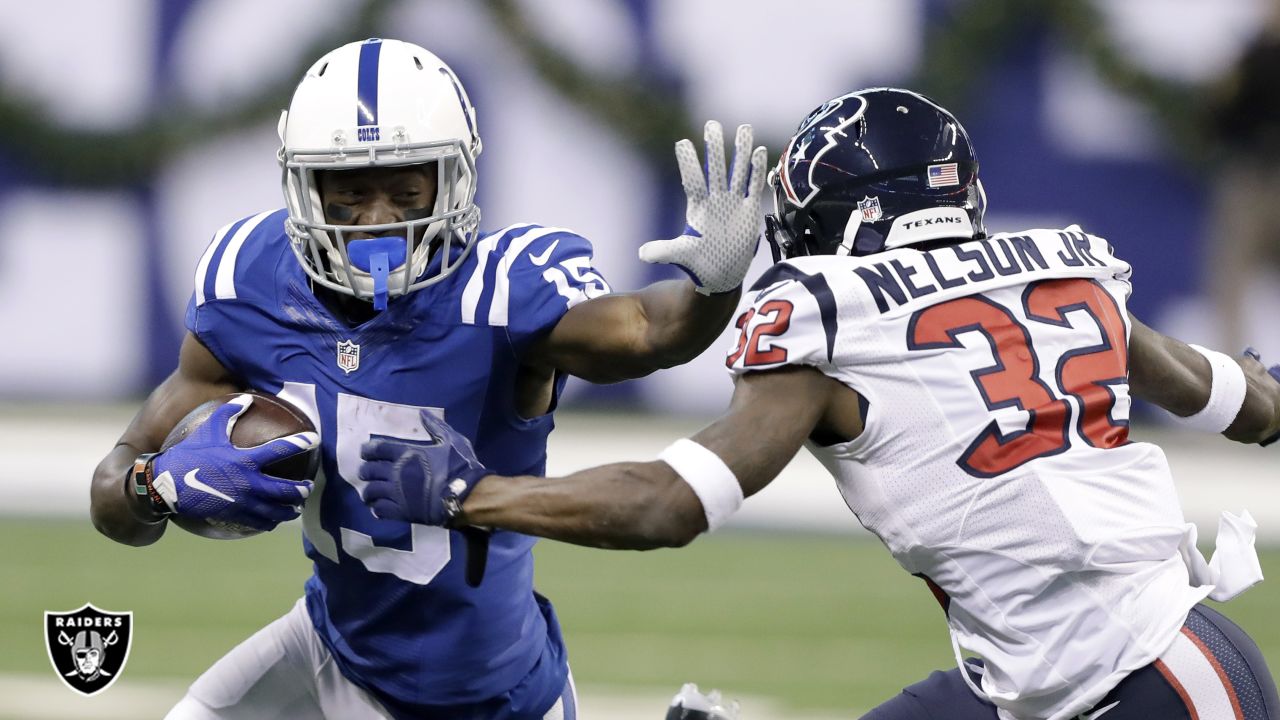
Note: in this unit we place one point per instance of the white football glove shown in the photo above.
(722, 227)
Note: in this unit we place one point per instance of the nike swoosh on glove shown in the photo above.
(417, 482)
(722, 219)
(206, 476)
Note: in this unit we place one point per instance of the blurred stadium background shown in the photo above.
(130, 130)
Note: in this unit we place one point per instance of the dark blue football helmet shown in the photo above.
(873, 170)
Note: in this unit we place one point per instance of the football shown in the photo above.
(267, 418)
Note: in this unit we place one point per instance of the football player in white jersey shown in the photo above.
(970, 394)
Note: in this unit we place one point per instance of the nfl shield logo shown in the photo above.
(88, 647)
(870, 207)
(348, 356)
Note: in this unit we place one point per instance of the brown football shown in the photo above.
(267, 418)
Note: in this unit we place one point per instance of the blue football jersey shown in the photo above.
(389, 598)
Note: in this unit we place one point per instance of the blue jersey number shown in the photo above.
(357, 418)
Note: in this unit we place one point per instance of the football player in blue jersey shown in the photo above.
(370, 299)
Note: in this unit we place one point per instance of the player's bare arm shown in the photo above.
(645, 505)
(198, 378)
(1176, 377)
(617, 337)
(628, 335)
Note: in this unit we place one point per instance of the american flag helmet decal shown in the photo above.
(944, 175)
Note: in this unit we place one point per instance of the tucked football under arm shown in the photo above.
(629, 335)
(645, 505)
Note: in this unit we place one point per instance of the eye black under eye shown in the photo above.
(338, 213)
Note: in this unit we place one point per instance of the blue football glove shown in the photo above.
(1273, 371)
(420, 483)
(206, 477)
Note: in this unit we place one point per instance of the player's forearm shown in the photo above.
(624, 506)
(1182, 388)
(1175, 376)
(111, 506)
(682, 322)
(1167, 372)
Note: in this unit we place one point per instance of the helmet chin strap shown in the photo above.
(378, 256)
(858, 240)
(849, 240)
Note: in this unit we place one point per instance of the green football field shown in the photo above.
(817, 622)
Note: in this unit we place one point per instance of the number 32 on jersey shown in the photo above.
(1084, 373)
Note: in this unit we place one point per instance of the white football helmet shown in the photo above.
(380, 103)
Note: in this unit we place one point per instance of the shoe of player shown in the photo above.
(690, 704)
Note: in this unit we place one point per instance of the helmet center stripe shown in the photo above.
(367, 83)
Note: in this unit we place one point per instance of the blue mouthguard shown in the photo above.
(377, 256)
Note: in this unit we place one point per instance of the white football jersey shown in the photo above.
(995, 462)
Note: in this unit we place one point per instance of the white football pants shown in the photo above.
(284, 671)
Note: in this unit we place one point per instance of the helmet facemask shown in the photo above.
(446, 229)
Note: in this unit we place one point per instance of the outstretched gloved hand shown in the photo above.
(723, 220)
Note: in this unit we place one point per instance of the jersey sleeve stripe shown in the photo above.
(475, 284)
(820, 290)
(202, 269)
(499, 308)
(224, 287)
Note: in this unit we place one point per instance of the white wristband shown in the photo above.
(712, 481)
(1226, 395)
